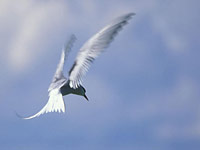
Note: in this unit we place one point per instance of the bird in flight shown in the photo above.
(60, 85)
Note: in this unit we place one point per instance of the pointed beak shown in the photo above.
(86, 97)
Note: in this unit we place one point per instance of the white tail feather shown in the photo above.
(54, 104)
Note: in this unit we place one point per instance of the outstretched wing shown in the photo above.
(54, 104)
(59, 71)
(93, 47)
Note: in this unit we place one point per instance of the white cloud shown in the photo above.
(31, 18)
(174, 41)
(34, 21)
(177, 108)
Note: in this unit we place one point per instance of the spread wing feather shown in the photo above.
(59, 71)
(93, 47)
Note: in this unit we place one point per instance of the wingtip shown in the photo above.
(73, 36)
(130, 15)
(124, 17)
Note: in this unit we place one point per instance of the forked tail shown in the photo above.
(54, 104)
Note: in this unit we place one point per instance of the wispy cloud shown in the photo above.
(34, 21)
(144, 88)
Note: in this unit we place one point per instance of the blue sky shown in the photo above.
(143, 91)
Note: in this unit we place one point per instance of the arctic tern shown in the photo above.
(60, 85)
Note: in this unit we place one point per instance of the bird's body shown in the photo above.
(60, 85)
(66, 89)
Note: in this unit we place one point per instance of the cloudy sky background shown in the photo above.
(144, 91)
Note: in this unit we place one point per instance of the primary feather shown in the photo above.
(58, 77)
(93, 47)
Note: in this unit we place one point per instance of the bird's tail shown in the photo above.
(54, 104)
